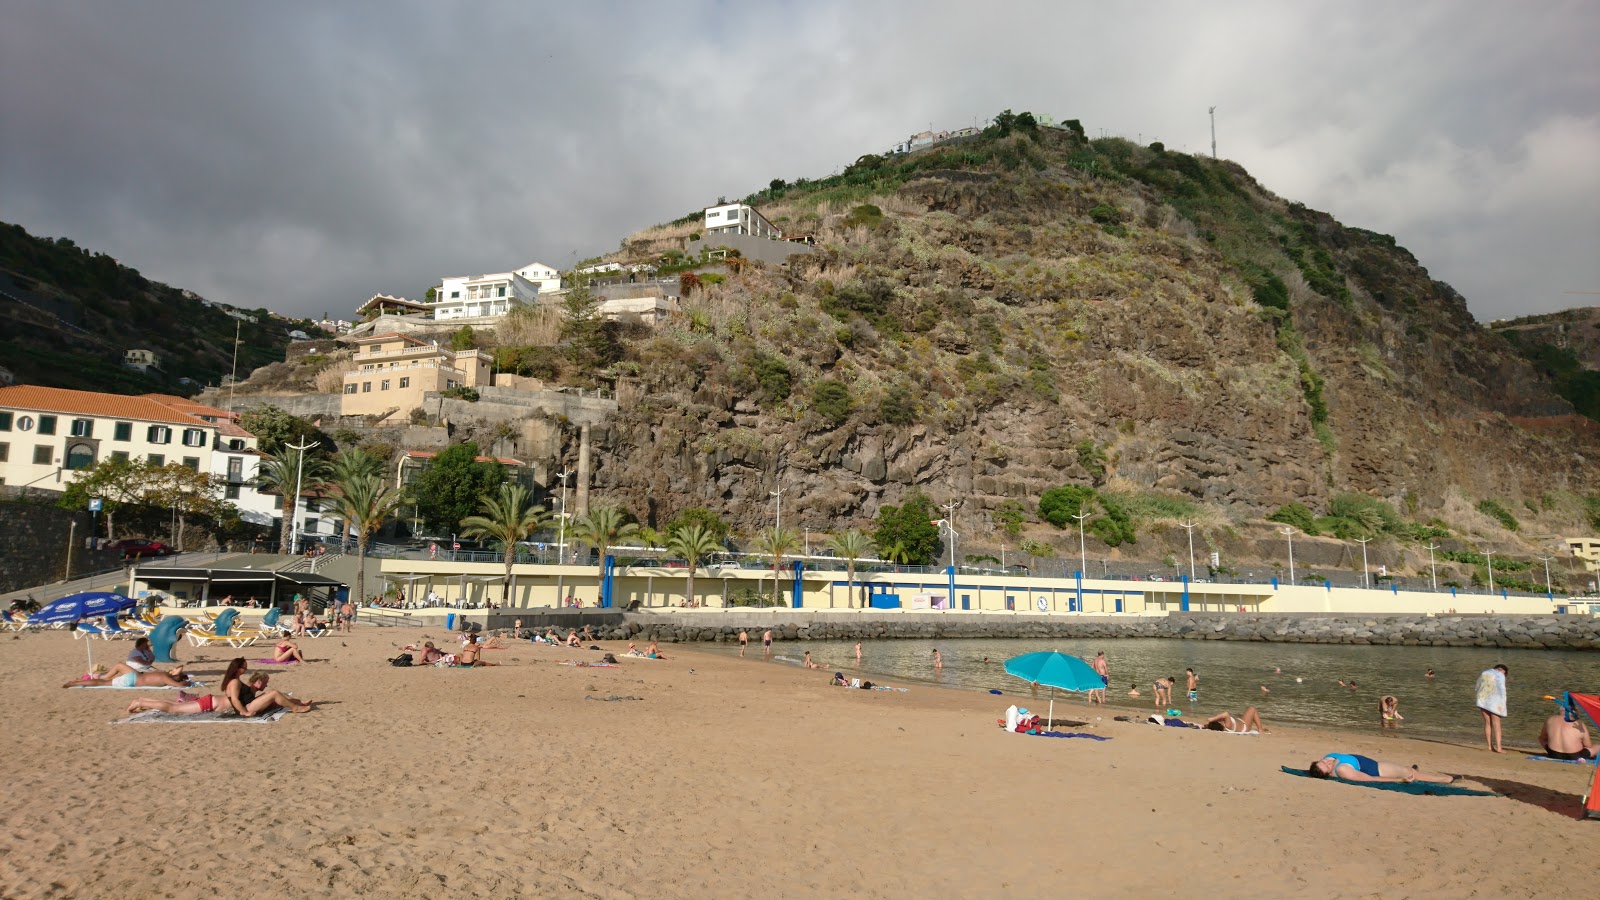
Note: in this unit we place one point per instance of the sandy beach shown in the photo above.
(725, 778)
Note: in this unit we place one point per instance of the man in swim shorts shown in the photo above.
(766, 642)
(1193, 685)
(744, 640)
(1565, 737)
(1103, 669)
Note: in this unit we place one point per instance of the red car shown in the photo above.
(133, 548)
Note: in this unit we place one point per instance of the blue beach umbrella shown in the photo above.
(1055, 670)
(87, 605)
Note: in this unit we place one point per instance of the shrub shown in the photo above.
(463, 339)
(1059, 505)
(461, 392)
(773, 377)
(1296, 515)
(1093, 460)
(831, 399)
(1009, 516)
(1494, 510)
(865, 214)
(1116, 527)
(898, 407)
(1105, 214)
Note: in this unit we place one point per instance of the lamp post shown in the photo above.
(1488, 555)
(294, 507)
(950, 523)
(561, 526)
(1189, 527)
(777, 507)
(1288, 532)
(1433, 569)
(1546, 561)
(1365, 582)
(1083, 555)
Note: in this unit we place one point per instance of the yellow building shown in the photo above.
(393, 372)
(1588, 550)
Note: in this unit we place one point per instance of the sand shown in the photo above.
(728, 778)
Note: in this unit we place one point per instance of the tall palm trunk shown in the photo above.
(361, 570)
(505, 591)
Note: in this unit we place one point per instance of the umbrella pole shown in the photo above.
(1052, 723)
(89, 646)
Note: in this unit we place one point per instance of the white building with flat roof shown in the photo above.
(547, 278)
(737, 218)
(477, 296)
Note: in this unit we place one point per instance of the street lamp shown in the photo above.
(1433, 568)
(294, 507)
(950, 523)
(1546, 561)
(1489, 556)
(777, 514)
(1083, 555)
(1189, 527)
(1365, 582)
(1288, 532)
(561, 527)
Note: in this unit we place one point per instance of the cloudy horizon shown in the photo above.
(303, 157)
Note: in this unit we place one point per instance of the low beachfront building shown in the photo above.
(482, 296)
(393, 372)
(737, 218)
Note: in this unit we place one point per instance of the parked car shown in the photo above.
(133, 548)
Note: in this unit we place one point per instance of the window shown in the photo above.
(714, 214)
(5, 421)
(119, 455)
(311, 526)
(43, 455)
(80, 456)
(194, 437)
(83, 428)
(350, 388)
(159, 434)
(405, 383)
(455, 295)
(366, 387)
(502, 290)
(47, 424)
(312, 505)
(122, 431)
(277, 501)
(235, 469)
(236, 444)
(25, 423)
(231, 492)
(156, 459)
(383, 385)
(5, 452)
(192, 462)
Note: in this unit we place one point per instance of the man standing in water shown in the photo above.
(858, 654)
(1103, 669)
(1193, 686)
(938, 661)
(1491, 690)
(744, 641)
(766, 642)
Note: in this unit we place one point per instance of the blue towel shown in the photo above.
(1424, 788)
(1581, 762)
(1071, 734)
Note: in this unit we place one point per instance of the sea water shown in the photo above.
(1302, 680)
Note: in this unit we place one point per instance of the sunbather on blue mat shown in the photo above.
(1353, 767)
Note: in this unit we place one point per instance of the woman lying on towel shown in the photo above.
(124, 676)
(1249, 723)
(253, 698)
(1351, 767)
(186, 704)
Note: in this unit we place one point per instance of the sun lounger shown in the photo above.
(9, 622)
(113, 628)
(88, 631)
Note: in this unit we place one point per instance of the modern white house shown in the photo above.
(478, 296)
(548, 279)
(737, 218)
(141, 360)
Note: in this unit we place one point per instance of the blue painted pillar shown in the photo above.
(1394, 589)
(950, 576)
(799, 595)
(1274, 582)
(1183, 605)
(1077, 601)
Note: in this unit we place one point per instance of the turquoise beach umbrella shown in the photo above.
(1055, 670)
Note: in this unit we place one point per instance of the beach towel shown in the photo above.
(164, 687)
(591, 665)
(1069, 734)
(211, 718)
(273, 662)
(1421, 788)
(1580, 762)
(1492, 692)
(884, 687)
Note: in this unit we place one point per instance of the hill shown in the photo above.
(1029, 309)
(1564, 347)
(70, 315)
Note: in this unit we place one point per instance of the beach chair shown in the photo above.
(222, 632)
(9, 622)
(271, 624)
(113, 628)
(88, 632)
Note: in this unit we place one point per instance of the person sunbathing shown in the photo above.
(653, 651)
(572, 639)
(633, 650)
(287, 651)
(253, 697)
(185, 704)
(471, 655)
(124, 676)
(1356, 768)
(1565, 737)
(1249, 723)
(428, 654)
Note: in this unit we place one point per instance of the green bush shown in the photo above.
(1116, 527)
(831, 399)
(1106, 214)
(773, 377)
(1298, 516)
(1093, 460)
(1494, 510)
(898, 407)
(461, 392)
(1009, 516)
(865, 214)
(1059, 505)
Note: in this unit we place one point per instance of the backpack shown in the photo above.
(403, 659)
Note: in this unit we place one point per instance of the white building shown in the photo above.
(471, 297)
(548, 279)
(142, 360)
(736, 218)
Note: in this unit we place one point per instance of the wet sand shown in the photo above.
(728, 778)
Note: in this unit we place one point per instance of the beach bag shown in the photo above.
(403, 659)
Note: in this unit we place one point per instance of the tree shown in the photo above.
(364, 503)
(693, 543)
(464, 338)
(590, 339)
(447, 491)
(274, 428)
(776, 543)
(699, 515)
(186, 492)
(910, 526)
(348, 464)
(831, 399)
(508, 517)
(601, 528)
(850, 546)
(116, 482)
(1059, 506)
(277, 474)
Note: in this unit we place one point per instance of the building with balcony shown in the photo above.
(480, 296)
(737, 218)
(141, 360)
(393, 373)
(547, 278)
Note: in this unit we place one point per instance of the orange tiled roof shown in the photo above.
(227, 423)
(91, 403)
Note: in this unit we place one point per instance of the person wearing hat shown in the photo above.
(1565, 737)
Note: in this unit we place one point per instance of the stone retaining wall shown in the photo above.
(1528, 632)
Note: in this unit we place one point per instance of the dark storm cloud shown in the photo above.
(303, 157)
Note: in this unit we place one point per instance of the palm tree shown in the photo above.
(897, 553)
(850, 546)
(363, 502)
(601, 528)
(693, 543)
(508, 517)
(278, 472)
(348, 465)
(777, 543)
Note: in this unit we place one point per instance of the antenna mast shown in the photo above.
(1213, 111)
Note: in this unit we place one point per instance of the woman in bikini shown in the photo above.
(287, 651)
(185, 704)
(1352, 767)
(124, 676)
(1246, 724)
(471, 655)
(253, 698)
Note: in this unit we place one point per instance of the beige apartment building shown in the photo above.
(393, 372)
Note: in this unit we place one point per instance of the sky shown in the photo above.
(303, 156)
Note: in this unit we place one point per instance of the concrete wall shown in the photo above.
(33, 547)
(773, 253)
(306, 406)
(303, 349)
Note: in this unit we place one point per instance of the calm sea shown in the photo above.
(1232, 674)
